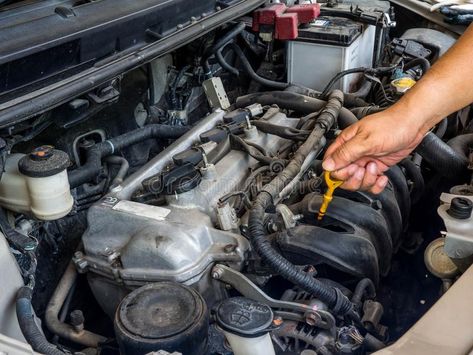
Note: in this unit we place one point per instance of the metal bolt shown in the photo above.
(248, 122)
(217, 273)
(310, 269)
(312, 319)
(77, 320)
(229, 248)
(205, 160)
(81, 265)
(117, 188)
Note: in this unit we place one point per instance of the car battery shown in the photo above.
(328, 46)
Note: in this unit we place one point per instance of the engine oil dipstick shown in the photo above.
(332, 184)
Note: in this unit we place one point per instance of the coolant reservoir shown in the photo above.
(37, 184)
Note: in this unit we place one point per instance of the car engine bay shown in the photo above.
(174, 209)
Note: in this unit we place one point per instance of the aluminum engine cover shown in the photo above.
(133, 244)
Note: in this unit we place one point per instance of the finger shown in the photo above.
(345, 173)
(354, 183)
(380, 185)
(346, 154)
(371, 175)
(347, 134)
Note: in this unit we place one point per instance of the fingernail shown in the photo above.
(382, 181)
(328, 164)
(372, 169)
(360, 174)
(352, 169)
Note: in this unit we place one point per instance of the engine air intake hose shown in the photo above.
(32, 334)
(95, 154)
(333, 297)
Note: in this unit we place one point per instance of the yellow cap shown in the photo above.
(403, 84)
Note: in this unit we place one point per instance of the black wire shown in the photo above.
(340, 75)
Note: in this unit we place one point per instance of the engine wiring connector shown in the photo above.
(332, 184)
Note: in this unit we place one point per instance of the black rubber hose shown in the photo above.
(34, 337)
(363, 90)
(340, 75)
(349, 99)
(178, 78)
(361, 112)
(442, 128)
(281, 131)
(462, 144)
(446, 160)
(238, 143)
(346, 118)
(422, 62)
(372, 343)
(286, 100)
(296, 102)
(414, 173)
(364, 289)
(220, 151)
(221, 42)
(225, 39)
(333, 297)
(223, 63)
(95, 154)
(253, 75)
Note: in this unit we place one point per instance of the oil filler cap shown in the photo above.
(43, 161)
(460, 208)
(244, 317)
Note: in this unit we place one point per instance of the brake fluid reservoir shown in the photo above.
(46, 182)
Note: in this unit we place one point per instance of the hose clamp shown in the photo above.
(111, 145)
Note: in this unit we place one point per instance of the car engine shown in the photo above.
(174, 208)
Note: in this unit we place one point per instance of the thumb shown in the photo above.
(345, 153)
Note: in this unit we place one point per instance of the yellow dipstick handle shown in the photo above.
(332, 184)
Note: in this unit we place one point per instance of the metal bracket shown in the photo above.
(311, 315)
(248, 289)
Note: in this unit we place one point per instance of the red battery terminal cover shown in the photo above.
(285, 20)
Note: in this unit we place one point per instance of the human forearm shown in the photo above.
(446, 88)
(365, 150)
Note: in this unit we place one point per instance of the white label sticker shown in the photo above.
(320, 23)
(139, 209)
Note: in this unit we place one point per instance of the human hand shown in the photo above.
(364, 151)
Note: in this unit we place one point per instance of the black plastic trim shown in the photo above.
(54, 95)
